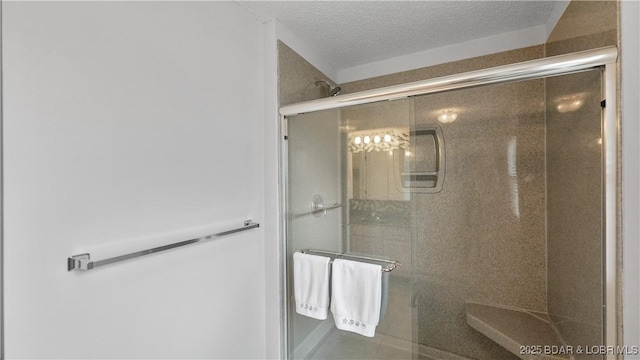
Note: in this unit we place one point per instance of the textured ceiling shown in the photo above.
(350, 33)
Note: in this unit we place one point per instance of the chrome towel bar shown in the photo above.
(83, 261)
(390, 264)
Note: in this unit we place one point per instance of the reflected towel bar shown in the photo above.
(391, 264)
(83, 261)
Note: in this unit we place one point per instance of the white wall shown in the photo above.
(274, 262)
(124, 120)
(630, 61)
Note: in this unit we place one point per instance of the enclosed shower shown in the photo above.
(487, 197)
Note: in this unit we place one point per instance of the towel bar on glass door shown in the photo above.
(391, 264)
(83, 261)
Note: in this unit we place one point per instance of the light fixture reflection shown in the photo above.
(570, 103)
(447, 116)
(383, 139)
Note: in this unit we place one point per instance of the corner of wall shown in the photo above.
(1, 203)
(272, 231)
(630, 57)
(299, 46)
(583, 25)
(558, 9)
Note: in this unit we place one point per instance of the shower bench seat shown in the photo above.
(524, 333)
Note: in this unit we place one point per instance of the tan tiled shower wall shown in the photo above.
(297, 77)
(574, 172)
(584, 25)
(482, 238)
(574, 189)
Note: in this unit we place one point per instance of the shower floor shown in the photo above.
(393, 335)
(345, 345)
(340, 345)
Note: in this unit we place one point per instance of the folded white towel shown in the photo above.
(356, 292)
(311, 285)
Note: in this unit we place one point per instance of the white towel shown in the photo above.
(311, 285)
(356, 292)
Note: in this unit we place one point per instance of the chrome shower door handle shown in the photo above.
(319, 208)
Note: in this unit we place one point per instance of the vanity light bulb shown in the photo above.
(367, 139)
(357, 140)
(387, 138)
(376, 139)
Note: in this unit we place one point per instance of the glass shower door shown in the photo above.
(508, 256)
(357, 162)
(491, 198)
(314, 170)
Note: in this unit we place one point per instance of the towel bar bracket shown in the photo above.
(80, 262)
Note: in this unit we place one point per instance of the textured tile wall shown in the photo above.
(574, 190)
(584, 25)
(482, 238)
(574, 176)
(296, 78)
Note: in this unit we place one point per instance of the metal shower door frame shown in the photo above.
(604, 58)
